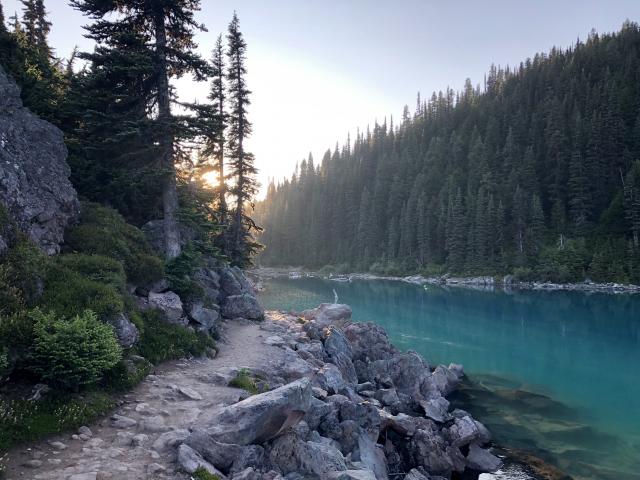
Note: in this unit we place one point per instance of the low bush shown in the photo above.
(245, 381)
(202, 474)
(163, 341)
(72, 353)
(103, 231)
(179, 271)
(22, 270)
(70, 293)
(16, 340)
(125, 375)
(26, 421)
(96, 268)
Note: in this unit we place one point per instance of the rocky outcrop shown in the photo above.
(35, 191)
(363, 410)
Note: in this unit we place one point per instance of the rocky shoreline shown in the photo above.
(488, 283)
(345, 404)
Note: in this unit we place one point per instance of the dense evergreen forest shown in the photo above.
(537, 174)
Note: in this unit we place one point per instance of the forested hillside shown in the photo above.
(537, 173)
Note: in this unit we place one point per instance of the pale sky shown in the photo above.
(321, 69)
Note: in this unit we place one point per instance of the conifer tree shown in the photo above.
(242, 169)
(170, 28)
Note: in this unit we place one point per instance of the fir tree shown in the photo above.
(243, 171)
(170, 28)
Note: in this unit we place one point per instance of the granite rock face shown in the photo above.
(35, 189)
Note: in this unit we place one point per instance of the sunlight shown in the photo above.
(211, 178)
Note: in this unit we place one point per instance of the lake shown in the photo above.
(555, 374)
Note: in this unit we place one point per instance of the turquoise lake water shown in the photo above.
(554, 374)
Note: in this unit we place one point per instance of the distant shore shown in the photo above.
(488, 283)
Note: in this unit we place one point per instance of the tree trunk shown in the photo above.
(169, 191)
(221, 182)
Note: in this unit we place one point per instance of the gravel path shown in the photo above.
(138, 440)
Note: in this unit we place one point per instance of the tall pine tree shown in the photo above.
(241, 244)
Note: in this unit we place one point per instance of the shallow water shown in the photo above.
(556, 374)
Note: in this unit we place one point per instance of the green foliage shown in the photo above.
(22, 270)
(126, 374)
(245, 381)
(23, 421)
(96, 268)
(179, 271)
(202, 474)
(163, 341)
(73, 353)
(103, 231)
(568, 264)
(16, 340)
(70, 293)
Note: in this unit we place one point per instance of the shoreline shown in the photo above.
(486, 283)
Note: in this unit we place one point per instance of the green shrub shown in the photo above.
(202, 474)
(4, 361)
(103, 231)
(16, 340)
(179, 271)
(163, 341)
(251, 383)
(126, 374)
(23, 268)
(23, 421)
(96, 268)
(69, 293)
(73, 353)
(523, 274)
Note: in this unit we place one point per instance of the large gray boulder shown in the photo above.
(35, 190)
(206, 318)
(170, 304)
(292, 454)
(262, 417)
(482, 460)
(328, 314)
(242, 306)
(125, 330)
(190, 461)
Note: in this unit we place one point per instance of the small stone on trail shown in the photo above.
(85, 431)
(33, 463)
(58, 445)
(120, 421)
(190, 393)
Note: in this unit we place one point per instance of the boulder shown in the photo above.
(206, 318)
(369, 342)
(352, 475)
(328, 314)
(242, 306)
(292, 454)
(190, 461)
(482, 460)
(372, 456)
(415, 474)
(429, 450)
(35, 191)
(125, 330)
(250, 456)
(262, 417)
(170, 304)
(247, 474)
(330, 378)
(462, 432)
(445, 380)
(436, 409)
(335, 343)
(220, 455)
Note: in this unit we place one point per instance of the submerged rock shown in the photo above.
(35, 189)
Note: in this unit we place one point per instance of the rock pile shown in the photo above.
(348, 405)
(223, 292)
